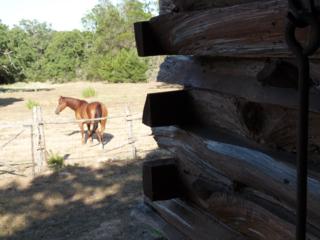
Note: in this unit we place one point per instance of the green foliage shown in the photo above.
(64, 55)
(32, 51)
(89, 92)
(125, 66)
(55, 161)
(31, 103)
(9, 70)
(113, 56)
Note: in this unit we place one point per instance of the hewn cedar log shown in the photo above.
(230, 201)
(279, 74)
(239, 77)
(148, 217)
(224, 200)
(193, 222)
(169, 6)
(254, 30)
(262, 217)
(266, 124)
(255, 169)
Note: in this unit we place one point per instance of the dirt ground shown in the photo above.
(64, 139)
(95, 194)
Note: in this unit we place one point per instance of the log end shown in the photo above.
(146, 43)
(161, 180)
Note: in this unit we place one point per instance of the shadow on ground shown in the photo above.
(107, 137)
(8, 101)
(3, 89)
(76, 203)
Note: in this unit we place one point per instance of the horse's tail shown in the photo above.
(104, 115)
(98, 114)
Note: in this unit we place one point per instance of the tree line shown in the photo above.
(105, 50)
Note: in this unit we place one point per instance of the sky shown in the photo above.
(63, 15)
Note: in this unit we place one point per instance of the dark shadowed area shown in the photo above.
(8, 101)
(76, 203)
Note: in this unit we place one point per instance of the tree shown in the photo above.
(112, 29)
(64, 55)
(10, 70)
(106, 51)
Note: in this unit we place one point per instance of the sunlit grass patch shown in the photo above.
(31, 103)
(89, 92)
(55, 161)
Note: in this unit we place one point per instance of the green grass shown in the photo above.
(89, 92)
(55, 161)
(31, 103)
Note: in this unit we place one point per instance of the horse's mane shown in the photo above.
(74, 99)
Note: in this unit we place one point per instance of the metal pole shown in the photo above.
(302, 159)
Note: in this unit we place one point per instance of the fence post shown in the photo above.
(42, 141)
(130, 132)
(38, 140)
(32, 150)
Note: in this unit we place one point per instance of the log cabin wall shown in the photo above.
(232, 129)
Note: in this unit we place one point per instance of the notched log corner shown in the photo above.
(234, 183)
(167, 108)
(161, 180)
(255, 30)
(146, 42)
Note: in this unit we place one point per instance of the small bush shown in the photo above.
(89, 92)
(55, 161)
(30, 104)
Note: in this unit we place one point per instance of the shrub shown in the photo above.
(124, 66)
(89, 92)
(55, 161)
(31, 103)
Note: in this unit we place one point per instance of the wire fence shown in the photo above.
(26, 146)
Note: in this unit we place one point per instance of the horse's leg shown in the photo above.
(98, 133)
(102, 127)
(103, 123)
(82, 133)
(89, 132)
(100, 137)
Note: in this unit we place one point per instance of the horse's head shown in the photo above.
(62, 104)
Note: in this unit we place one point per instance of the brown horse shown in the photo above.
(85, 110)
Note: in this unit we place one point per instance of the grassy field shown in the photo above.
(93, 195)
(65, 139)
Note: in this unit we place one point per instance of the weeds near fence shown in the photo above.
(55, 161)
(31, 103)
(89, 92)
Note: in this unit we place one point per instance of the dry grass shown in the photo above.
(89, 198)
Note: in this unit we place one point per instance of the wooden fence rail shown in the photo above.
(39, 153)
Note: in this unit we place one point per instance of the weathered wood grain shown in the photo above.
(169, 6)
(193, 222)
(266, 124)
(255, 169)
(237, 77)
(247, 30)
(269, 125)
(222, 199)
(247, 211)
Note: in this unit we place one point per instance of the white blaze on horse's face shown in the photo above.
(61, 105)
